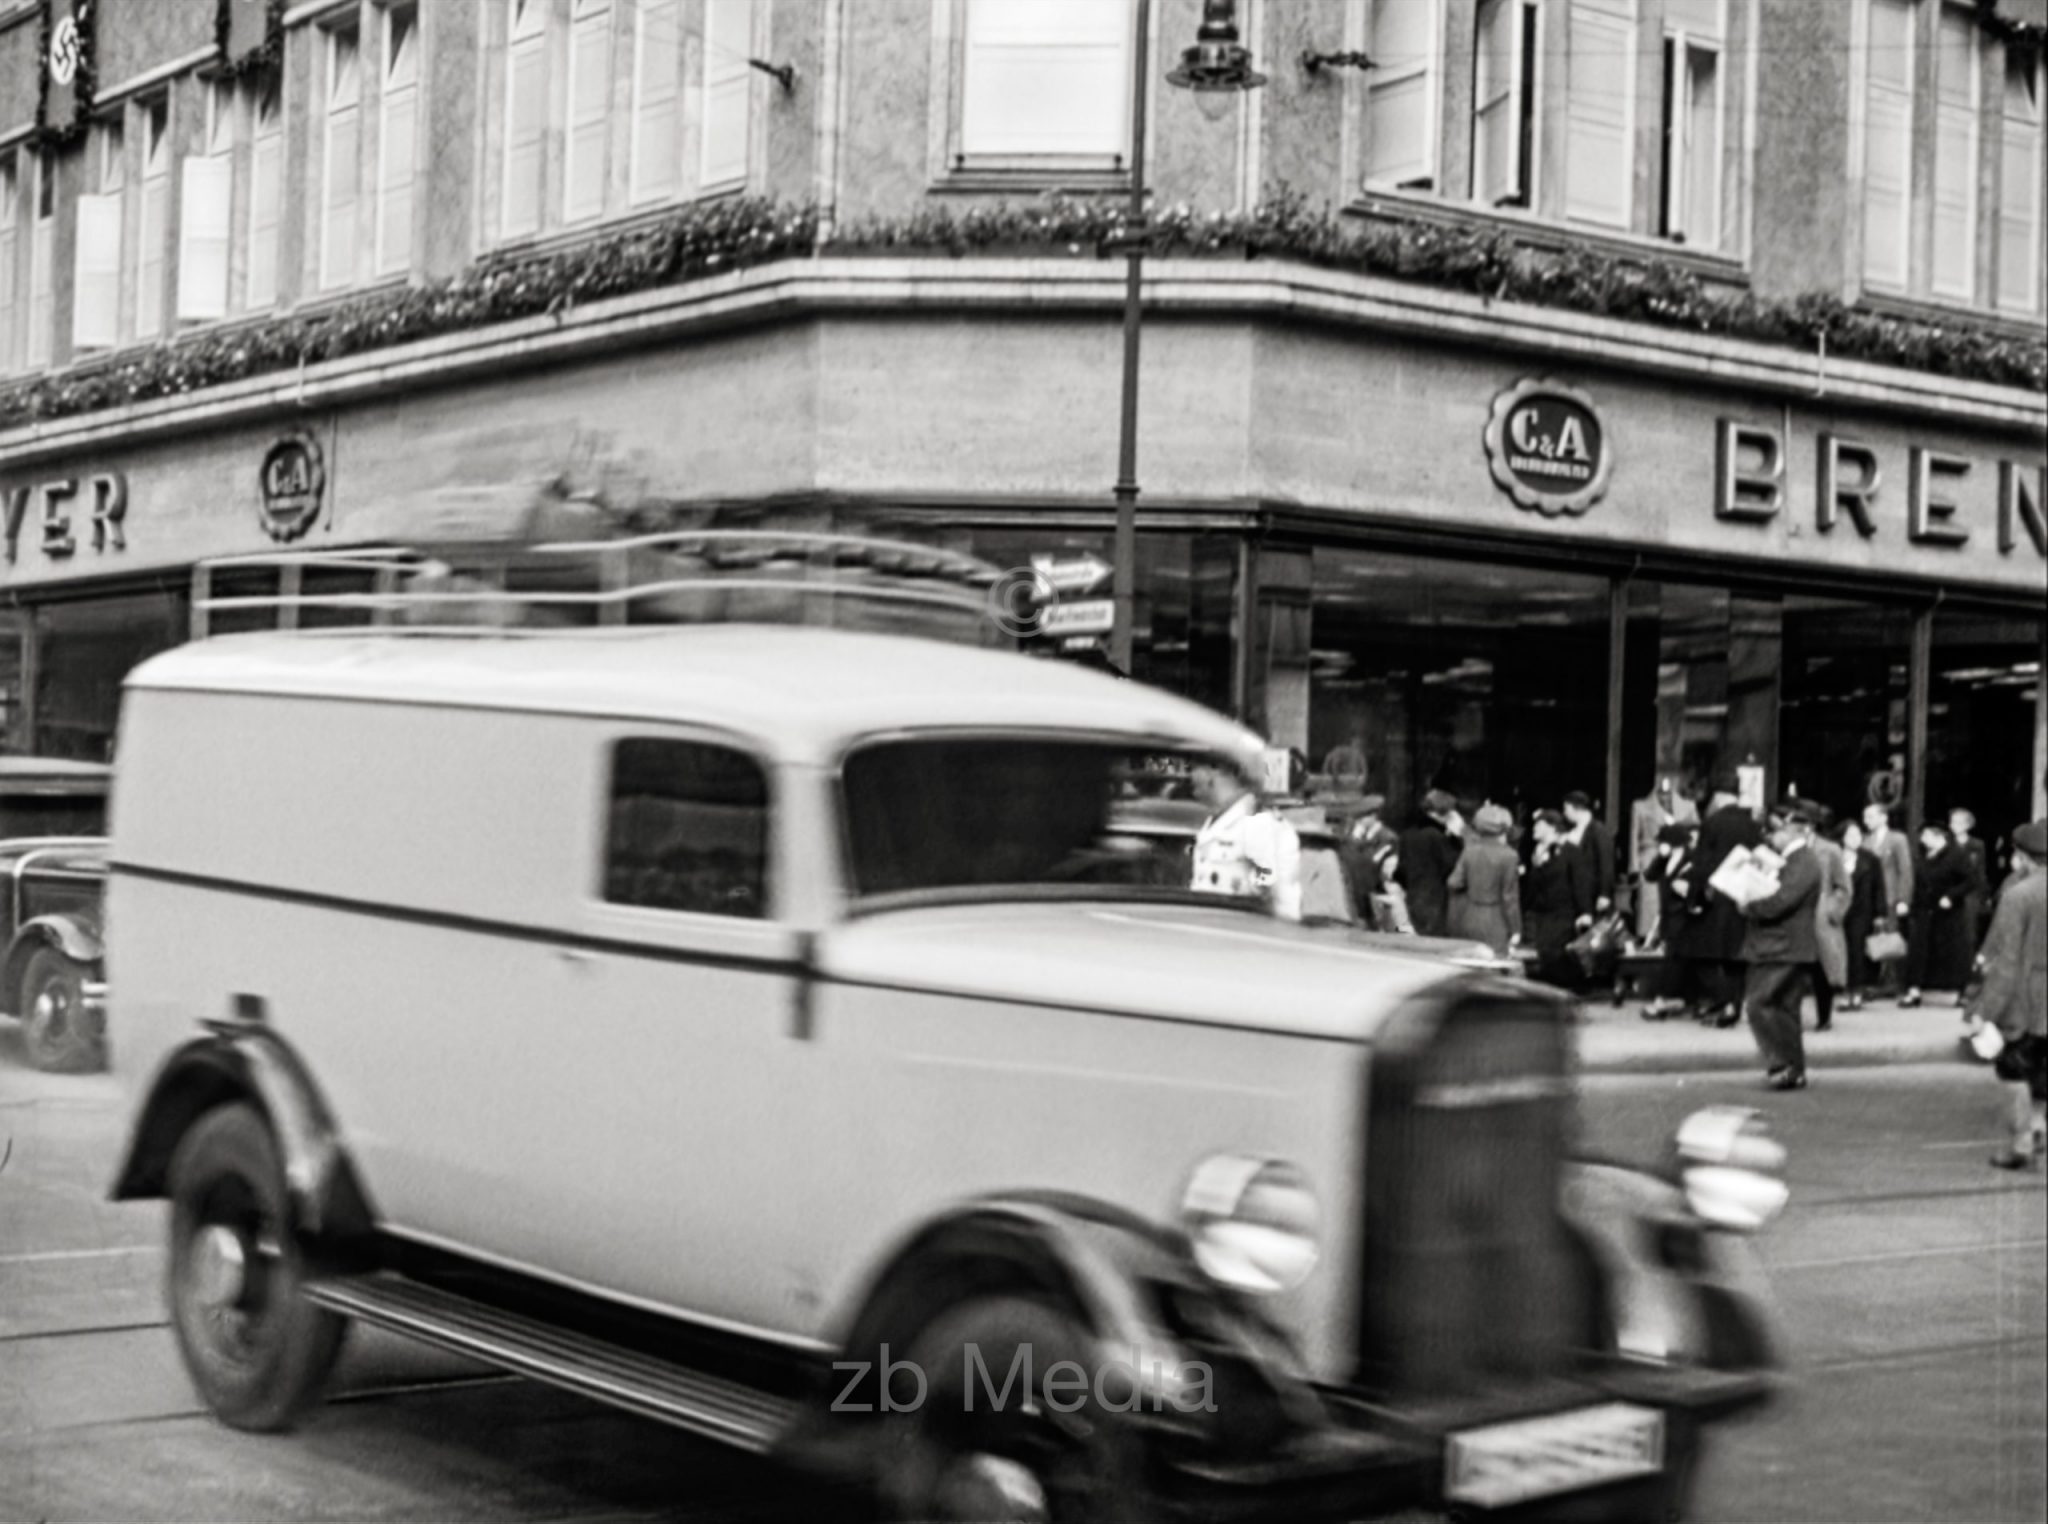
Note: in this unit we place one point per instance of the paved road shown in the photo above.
(1911, 1273)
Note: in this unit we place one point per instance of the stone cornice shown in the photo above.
(1255, 291)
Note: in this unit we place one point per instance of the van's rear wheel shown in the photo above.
(62, 1036)
(258, 1351)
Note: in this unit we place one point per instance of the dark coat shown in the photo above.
(1370, 867)
(1428, 853)
(2015, 994)
(1596, 845)
(1866, 911)
(1722, 929)
(1556, 891)
(1780, 927)
(1939, 951)
(1678, 921)
(1976, 907)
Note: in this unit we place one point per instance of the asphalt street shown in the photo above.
(1911, 1276)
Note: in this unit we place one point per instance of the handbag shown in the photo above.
(1597, 949)
(1884, 946)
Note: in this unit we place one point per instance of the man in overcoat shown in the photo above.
(2014, 997)
(1720, 926)
(1429, 850)
(1894, 855)
(1780, 947)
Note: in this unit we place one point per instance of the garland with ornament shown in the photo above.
(85, 78)
(2028, 39)
(721, 236)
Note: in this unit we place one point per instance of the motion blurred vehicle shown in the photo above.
(53, 869)
(721, 1021)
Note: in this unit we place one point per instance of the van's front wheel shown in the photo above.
(258, 1351)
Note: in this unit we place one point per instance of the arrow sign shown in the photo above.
(1075, 574)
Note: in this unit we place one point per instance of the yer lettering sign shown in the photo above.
(1548, 447)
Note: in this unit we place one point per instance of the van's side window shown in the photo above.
(688, 829)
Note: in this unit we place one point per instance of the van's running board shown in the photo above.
(718, 1409)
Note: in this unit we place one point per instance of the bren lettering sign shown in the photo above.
(1548, 448)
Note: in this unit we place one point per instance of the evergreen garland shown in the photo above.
(1484, 260)
(263, 59)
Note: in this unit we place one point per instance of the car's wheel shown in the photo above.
(61, 1035)
(978, 1446)
(257, 1350)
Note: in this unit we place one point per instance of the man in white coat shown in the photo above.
(1245, 848)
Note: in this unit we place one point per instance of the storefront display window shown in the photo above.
(1845, 703)
(14, 737)
(1487, 681)
(84, 650)
(1985, 719)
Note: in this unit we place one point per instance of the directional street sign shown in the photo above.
(1072, 574)
(1092, 616)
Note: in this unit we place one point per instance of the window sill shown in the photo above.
(320, 302)
(1547, 233)
(1048, 176)
(556, 240)
(1949, 309)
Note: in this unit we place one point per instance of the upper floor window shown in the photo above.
(96, 277)
(151, 256)
(266, 196)
(1505, 54)
(2020, 173)
(340, 153)
(526, 116)
(206, 184)
(688, 828)
(1404, 41)
(590, 113)
(42, 254)
(1044, 79)
(654, 145)
(10, 222)
(397, 137)
(1956, 91)
(728, 92)
(1695, 106)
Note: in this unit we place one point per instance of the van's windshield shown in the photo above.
(984, 814)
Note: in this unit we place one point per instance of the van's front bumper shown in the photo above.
(1370, 1460)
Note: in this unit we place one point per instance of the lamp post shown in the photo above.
(1217, 62)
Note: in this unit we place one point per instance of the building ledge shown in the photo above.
(800, 289)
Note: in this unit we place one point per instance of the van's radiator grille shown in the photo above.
(1468, 1280)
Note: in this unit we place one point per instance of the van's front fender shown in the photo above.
(243, 1060)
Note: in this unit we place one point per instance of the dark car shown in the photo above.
(53, 875)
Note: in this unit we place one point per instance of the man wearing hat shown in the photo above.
(1727, 825)
(1245, 848)
(1780, 945)
(1486, 896)
(1429, 850)
(1370, 853)
(2014, 997)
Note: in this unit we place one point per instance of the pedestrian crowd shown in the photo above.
(1738, 912)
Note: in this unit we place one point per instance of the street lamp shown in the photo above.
(1217, 62)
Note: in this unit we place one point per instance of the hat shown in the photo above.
(1677, 834)
(1437, 802)
(2032, 839)
(1805, 811)
(1492, 820)
(1373, 804)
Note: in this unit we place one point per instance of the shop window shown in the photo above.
(398, 109)
(2020, 172)
(1987, 724)
(10, 223)
(1599, 108)
(1955, 153)
(1843, 716)
(340, 153)
(1401, 94)
(688, 828)
(266, 195)
(83, 652)
(1487, 681)
(1043, 86)
(1505, 54)
(1700, 686)
(96, 279)
(206, 202)
(1694, 110)
(153, 236)
(42, 258)
(14, 640)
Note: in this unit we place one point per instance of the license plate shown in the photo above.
(1541, 1457)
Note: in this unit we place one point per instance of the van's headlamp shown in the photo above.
(1252, 1223)
(1732, 1169)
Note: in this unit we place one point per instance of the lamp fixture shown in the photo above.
(1218, 60)
(782, 74)
(1315, 62)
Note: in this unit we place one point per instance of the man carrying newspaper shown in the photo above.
(1778, 890)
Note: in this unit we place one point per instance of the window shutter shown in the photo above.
(526, 117)
(1046, 77)
(341, 184)
(590, 88)
(7, 273)
(96, 296)
(657, 120)
(149, 273)
(1598, 171)
(208, 184)
(2019, 192)
(266, 192)
(1887, 142)
(728, 41)
(396, 151)
(1497, 173)
(1400, 126)
(1955, 154)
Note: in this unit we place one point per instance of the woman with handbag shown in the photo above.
(1556, 891)
(1938, 950)
(1866, 910)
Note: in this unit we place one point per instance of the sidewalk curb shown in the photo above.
(1824, 1050)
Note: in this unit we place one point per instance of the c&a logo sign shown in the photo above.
(1548, 448)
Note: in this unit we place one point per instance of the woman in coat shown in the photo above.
(1866, 912)
(1556, 891)
(1486, 903)
(1830, 934)
(1938, 950)
(1684, 986)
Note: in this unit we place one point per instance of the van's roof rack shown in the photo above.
(690, 576)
